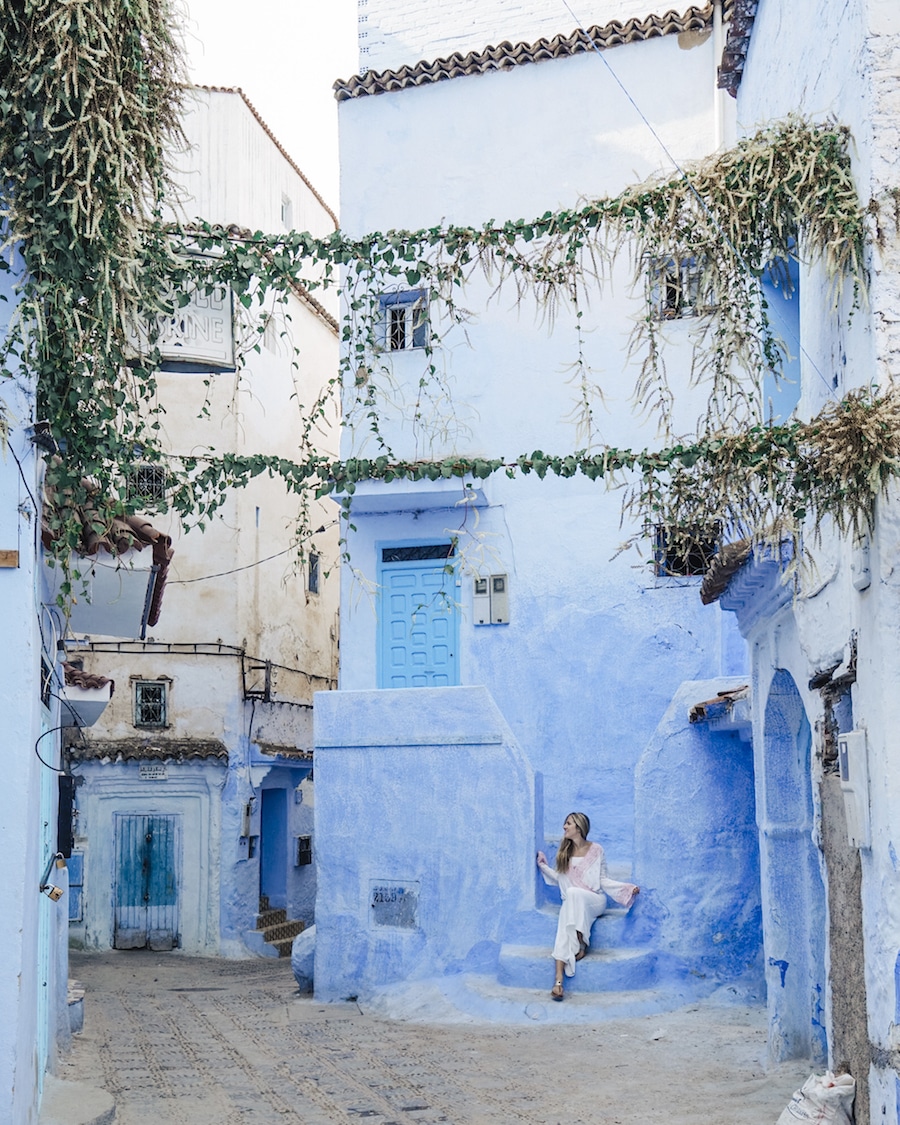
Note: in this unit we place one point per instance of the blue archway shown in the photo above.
(793, 892)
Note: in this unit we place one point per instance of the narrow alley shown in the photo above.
(189, 1041)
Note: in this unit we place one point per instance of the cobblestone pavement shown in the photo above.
(189, 1041)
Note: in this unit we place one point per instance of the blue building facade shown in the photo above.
(503, 660)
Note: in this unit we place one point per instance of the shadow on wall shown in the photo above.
(696, 847)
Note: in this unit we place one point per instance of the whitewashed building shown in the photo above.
(545, 661)
(195, 803)
(33, 940)
(597, 684)
(824, 646)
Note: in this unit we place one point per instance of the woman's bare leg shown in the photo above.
(557, 991)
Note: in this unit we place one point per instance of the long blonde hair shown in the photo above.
(564, 855)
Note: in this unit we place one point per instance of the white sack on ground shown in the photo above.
(823, 1098)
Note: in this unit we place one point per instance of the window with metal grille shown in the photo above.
(147, 482)
(405, 319)
(312, 573)
(304, 851)
(684, 552)
(675, 289)
(420, 551)
(150, 703)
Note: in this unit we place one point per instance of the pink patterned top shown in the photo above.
(591, 875)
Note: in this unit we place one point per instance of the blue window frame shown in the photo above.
(404, 319)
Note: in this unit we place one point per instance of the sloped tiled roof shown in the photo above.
(121, 535)
(737, 43)
(505, 56)
(147, 750)
(722, 569)
(275, 141)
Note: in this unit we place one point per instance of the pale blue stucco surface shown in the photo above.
(428, 790)
(696, 846)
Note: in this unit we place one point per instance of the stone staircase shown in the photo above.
(620, 977)
(274, 934)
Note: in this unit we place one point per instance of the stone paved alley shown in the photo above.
(189, 1041)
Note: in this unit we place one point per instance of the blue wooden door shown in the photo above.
(146, 910)
(273, 846)
(418, 618)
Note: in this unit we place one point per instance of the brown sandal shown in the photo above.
(557, 991)
(581, 952)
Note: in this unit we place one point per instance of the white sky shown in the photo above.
(285, 55)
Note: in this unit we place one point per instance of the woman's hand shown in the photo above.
(542, 860)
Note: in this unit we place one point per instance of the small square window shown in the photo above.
(675, 289)
(405, 319)
(146, 482)
(683, 552)
(312, 573)
(150, 703)
(304, 851)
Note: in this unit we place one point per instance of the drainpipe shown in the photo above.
(718, 47)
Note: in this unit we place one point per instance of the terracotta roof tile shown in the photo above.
(119, 536)
(737, 43)
(77, 677)
(147, 749)
(505, 55)
(722, 569)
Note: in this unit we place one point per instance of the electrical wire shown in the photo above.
(712, 218)
(248, 566)
(44, 734)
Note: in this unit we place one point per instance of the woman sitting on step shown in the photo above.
(584, 884)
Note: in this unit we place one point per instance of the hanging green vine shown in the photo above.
(91, 100)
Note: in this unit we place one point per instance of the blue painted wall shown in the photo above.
(424, 791)
(696, 846)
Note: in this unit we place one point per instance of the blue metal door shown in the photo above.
(418, 618)
(146, 913)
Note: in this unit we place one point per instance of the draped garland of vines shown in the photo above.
(90, 103)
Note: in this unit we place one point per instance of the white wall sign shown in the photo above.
(153, 771)
(199, 336)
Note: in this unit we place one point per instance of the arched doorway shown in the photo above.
(793, 893)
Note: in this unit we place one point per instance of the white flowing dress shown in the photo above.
(584, 889)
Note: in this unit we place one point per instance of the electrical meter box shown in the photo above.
(854, 766)
(481, 602)
(499, 599)
(490, 600)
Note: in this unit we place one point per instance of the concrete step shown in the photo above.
(274, 941)
(270, 918)
(283, 931)
(538, 927)
(472, 998)
(604, 970)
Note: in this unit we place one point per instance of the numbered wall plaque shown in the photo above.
(394, 904)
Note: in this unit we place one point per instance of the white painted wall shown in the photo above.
(847, 69)
(30, 937)
(395, 33)
(596, 646)
(236, 584)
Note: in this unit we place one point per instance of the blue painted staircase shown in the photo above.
(615, 979)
